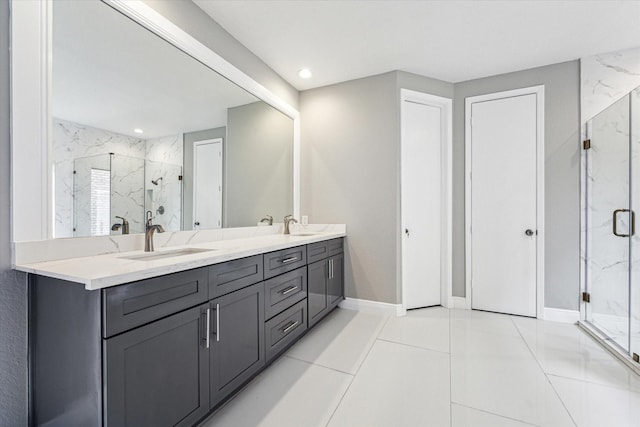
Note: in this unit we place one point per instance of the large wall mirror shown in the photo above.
(139, 122)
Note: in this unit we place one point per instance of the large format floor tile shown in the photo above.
(290, 393)
(494, 371)
(426, 328)
(595, 405)
(463, 416)
(341, 342)
(564, 350)
(399, 386)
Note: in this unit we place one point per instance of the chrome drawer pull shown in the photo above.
(286, 260)
(290, 327)
(288, 290)
(217, 322)
(208, 325)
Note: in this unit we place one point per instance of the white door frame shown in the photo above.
(446, 107)
(195, 156)
(539, 92)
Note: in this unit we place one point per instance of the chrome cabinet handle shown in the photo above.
(290, 327)
(288, 290)
(217, 322)
(208, 326)
(615, 223)
(286, 260)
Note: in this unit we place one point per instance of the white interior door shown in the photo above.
(421, 204)
(207, 184)
(503, 178)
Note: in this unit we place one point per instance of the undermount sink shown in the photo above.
(308, 233)
(152, 256)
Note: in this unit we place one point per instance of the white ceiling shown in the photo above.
(449, 40)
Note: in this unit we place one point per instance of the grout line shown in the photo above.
(494, 414)
(318, 364)
(546, 377)
(412, 346)
(615, 387)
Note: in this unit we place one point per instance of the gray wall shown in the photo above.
(351, 173)
(196, 22)
(187, 169)
(562, 184)
(258, 165)
(13, 288)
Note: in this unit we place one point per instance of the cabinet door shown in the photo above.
(237, 337)
(318, 274)
(336, 280)
(157, 375)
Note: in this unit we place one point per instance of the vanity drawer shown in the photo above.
(133, 304)
(279, 262)
(284, 329)
(325, 249)
(283, 291)
(233, 275)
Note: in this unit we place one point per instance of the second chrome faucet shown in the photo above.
(287, 222)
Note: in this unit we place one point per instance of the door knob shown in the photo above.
(529, 232)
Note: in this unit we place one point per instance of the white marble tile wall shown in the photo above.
(167, 193)
(635, 206)
(606, 78)
(72, 141)
(75, 141)
(127, 191)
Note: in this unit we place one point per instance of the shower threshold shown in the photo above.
(609, 345)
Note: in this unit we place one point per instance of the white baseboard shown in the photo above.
(372, 306)
(561, 315)
(458, 302)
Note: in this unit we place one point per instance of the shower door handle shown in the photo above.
(615, 223)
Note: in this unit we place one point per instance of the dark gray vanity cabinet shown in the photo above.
(325, 278)
(236, 340)
(157, 375)
(168, 350)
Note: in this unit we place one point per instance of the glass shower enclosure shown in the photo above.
(611, 308)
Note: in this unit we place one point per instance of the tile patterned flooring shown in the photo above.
(439, 367)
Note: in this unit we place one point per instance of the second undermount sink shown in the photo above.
(153, 256)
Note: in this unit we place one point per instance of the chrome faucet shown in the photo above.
(124, 225)
(149, 230)
(267, 219)
(287, 221)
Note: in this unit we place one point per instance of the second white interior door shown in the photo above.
(421, 204)
(207, 184)
(503, 178)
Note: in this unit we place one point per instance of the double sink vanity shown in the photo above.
(164, 338)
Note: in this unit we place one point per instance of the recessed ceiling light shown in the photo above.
(138, 131)
(305, 73)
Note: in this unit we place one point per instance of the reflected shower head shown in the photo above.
(156, 181)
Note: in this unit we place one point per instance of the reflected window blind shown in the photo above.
(100, 192)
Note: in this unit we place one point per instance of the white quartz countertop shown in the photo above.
(101, 271)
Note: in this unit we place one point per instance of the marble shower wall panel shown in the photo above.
(73, 141)
(166, 149)
(608, 177)
(606, 78)
(127, 191)
(82, 190)
(167, 193)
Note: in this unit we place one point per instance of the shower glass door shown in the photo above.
(610, 222)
